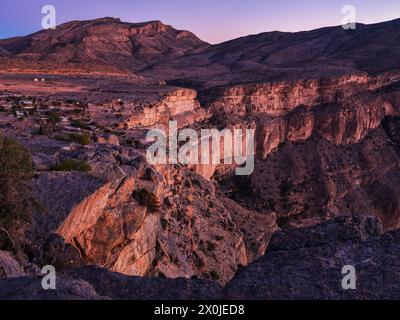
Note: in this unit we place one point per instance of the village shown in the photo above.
(62, 119)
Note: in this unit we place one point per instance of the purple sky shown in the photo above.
(212, 20)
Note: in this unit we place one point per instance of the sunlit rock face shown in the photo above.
(327, 158)
(179, 105)
(193, 230)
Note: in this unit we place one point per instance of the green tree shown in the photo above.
(16, 169)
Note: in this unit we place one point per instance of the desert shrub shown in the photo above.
(83, 139)
(214, 275)
(72, 165)
(243, 186)
(164, 223)
(16, 169)
(77, 111)
(79, 124)
(210, 246)
(148, 199)
(130, 142)
(54, 118)
(286, 187)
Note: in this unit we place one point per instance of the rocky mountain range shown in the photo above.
(325, 107)
(100, 45)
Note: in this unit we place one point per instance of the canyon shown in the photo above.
(325, 107)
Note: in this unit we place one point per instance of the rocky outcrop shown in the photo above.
(84, 191)
(342, 110)
(307, 264)
(302, 263)
(186, 232)
(100, 218)
(179, 105)
(280, 98)
(198, 232)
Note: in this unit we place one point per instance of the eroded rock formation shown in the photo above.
(299, 264)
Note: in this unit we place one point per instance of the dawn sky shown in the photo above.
(212, 20)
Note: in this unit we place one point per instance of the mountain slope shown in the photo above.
(273, 56)
(4, 52)
(159, 51)
(105, 44)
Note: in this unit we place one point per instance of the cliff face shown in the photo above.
(179, 105)
(340, 125)
(282, 97)
(341, 110)
(319, 154)
(317, 176)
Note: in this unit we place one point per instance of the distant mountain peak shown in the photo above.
(105, 43)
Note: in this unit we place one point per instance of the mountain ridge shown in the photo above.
(105, 43)
(159, 51)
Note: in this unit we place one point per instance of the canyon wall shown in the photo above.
(324, 148)
(180, 105)
(341, 110)
(337, 155)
